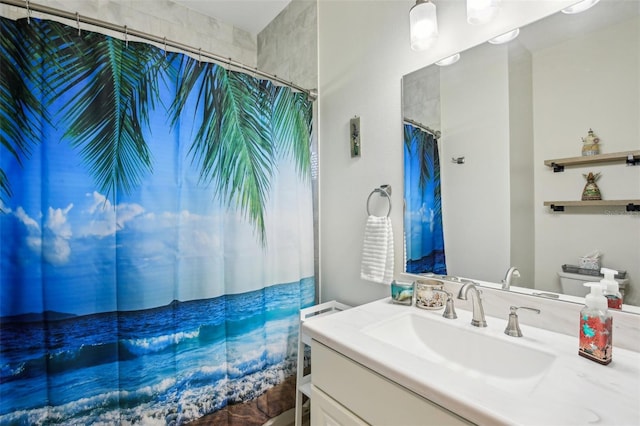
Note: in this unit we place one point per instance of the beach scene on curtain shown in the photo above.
(156, 216)
(424, 237)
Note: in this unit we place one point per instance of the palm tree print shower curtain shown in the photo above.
(423, 204)
(157, 236)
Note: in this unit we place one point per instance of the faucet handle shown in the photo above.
(449, 310)
(513, 326)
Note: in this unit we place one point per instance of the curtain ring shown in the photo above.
(126, 38)
(78, 22)
(28, 13)
(382, 192)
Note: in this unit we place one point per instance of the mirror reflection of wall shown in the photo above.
(506, 109)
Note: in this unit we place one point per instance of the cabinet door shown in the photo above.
(371, 397)
(327, 412)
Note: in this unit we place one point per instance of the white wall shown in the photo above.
(475, 196)
(612, 113)
(363, 54)
(521, 187)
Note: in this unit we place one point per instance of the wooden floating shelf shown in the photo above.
(632, 205)
(629, 157)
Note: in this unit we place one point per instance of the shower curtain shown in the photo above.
(157, 235)
(423, 205)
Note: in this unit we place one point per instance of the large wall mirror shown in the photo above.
(496, 115)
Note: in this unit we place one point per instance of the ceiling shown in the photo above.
(249, 15)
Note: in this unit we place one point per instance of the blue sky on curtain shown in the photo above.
(423, 212)
(157, 230)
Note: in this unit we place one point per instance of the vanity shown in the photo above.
(388, 364)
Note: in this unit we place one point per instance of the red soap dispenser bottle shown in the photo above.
(596, 326)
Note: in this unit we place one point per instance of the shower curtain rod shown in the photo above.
(26, 4)
(436, 133)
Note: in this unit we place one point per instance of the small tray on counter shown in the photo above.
(573, 269)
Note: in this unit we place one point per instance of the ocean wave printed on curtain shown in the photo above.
(157, 233)
(423, 213)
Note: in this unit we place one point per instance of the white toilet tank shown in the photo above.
(572, 284)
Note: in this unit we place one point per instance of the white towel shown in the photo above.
(377, 250)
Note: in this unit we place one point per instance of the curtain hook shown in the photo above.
(126, 38)
(199, 55)
(78, 21)
(28, 13)
(165, 46)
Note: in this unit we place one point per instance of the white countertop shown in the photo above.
(573, 391)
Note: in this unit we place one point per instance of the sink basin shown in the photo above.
(460, 347)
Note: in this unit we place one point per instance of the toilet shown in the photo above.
(572, 284)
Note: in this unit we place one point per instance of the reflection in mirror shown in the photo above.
(423, 207)
(508, 108)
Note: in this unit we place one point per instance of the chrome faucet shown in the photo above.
(478, 311)
(512, 272)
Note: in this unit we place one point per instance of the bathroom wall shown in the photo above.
(363, 54)
(521, 183)
(161, 18)
(475, 196)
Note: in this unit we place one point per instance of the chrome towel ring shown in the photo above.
(383, 191)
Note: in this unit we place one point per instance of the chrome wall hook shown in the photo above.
(457, 160)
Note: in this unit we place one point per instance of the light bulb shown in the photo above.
(481, 11)
(580, 7)
(449, 60)
(506, 37)
(423, 24)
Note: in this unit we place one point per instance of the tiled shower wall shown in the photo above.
(161, 18)
(288, 46)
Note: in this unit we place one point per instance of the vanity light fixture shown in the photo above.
(580, 7)
(449, 60)
(423, 24)
(506, 37)
(481, 11)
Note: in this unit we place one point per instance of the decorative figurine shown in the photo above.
(591, 190)
(590, 144)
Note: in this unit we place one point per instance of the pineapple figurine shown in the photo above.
(591, 190)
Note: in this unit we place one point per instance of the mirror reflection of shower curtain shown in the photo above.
(424, 238)
(157, 229)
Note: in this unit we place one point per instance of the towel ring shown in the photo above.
(382, 192)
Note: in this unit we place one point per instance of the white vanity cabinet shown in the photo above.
(346, 393)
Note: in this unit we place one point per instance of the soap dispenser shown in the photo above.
(611, 288)
(596, 326)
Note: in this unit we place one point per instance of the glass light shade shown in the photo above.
(506, 37)
(449, 60)
(481, 11)
(423, 24)
(580, 7)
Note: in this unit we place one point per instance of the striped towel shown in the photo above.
(377, 251)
